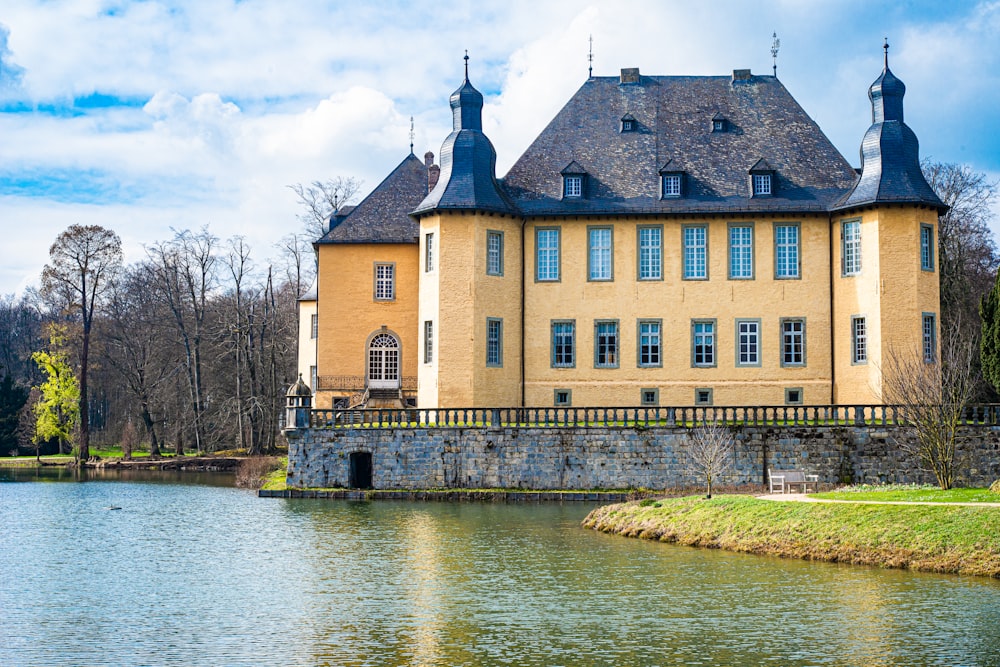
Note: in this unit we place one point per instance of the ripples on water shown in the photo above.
(209, 575)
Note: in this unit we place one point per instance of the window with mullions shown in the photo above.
(671, 184)
(563, 344)
(793, 342)
(650, 343)
(786, 251)
(546, 255)
(428, 341)
(606, 344)
(650, 253)
(429, 251)
(761, 185)
(494, 253)
(599, 259)
(494, 342)
(926, 247)
(573, 186)
(850, 240)
(929, 338)
(859, 340)
(748, 342)
(695, 253)
(314, 329)
(703, 343)
(385, 282)
(740, 252)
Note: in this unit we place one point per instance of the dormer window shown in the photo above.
(671, 181)
(629, 123)
(762, 180)
(574, 181)
(719, 123)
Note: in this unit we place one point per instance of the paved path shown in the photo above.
(803, 498)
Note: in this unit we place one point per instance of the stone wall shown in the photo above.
(613, 458)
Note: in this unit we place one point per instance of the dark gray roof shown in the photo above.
(674, 117)
(382, 217)
(468, 162)
(890, 153)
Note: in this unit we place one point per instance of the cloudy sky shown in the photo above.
(159, 115)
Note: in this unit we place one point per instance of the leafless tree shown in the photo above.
(83, 261)
(711, 453)
(934, 394)
(321, 199)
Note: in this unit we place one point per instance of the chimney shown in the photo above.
(742, 75)
(433, 171)
(630, 75)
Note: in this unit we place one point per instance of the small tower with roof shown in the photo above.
(470, 272)
(885, 293)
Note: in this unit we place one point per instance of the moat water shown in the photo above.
(193, 572)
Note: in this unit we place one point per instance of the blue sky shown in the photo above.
(157, 115)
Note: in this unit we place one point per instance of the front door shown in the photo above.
(383, 362)
(359, 473)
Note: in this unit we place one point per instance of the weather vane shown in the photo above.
(411, 135)
(775, 45)
(590, 59)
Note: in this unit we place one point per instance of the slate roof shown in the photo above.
(674, 126)
(890, 153)
(468, 162)
(382, 216)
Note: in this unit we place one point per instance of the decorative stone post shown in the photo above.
(298, 405)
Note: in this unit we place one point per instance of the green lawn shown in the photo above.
(911, 493)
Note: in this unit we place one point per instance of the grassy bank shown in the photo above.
(911, 494)
(955, 539)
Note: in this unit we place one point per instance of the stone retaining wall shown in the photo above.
(613, 457)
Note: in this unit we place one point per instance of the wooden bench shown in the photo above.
(785, 480)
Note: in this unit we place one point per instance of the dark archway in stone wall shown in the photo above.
(359, 474)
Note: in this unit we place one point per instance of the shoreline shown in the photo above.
(185, 463)
(942, 538)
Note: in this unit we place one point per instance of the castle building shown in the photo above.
(665, 240)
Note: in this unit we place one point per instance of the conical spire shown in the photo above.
(467, 104)
(887, 93)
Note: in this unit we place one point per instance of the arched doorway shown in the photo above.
(383, 361)
(359, 472)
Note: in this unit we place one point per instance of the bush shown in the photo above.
(253, 470)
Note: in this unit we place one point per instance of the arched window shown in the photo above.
(383, 362)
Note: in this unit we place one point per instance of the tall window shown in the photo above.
(650, 343)
(547, 254)
(793, 342)
(429, 251)
(851, 247)
(741, 252)
(494, 253)
(786, 251)
(695, 253)
(563, 344)
(314, 326)
(930, 339)
(747, 342)
(494, 342)
(313, 378)
(385, 282)
(703, 343)
(671, 185)
(926, 247)
(428, 341)
(606, 344)
(599, 258)
(650, 253)
(859, 341)
(573, 186)
(761, 184)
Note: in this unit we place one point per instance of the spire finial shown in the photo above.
(885, 47)
(775, 44)
(466, 64)
(411, 135)
(590, 59)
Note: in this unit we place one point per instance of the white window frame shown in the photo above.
(761, 184)
(747, 342)
(428, 341)
(494, 253)
(741, 251)
(670, 186)
(650, 254)
(650, 344)
(547, 257)
(314, 326)
(695, 242)
(572, 186)
(385, 281)
(793, 341)
(859, 340)
(850, 247)
(563, 344)
(787, 252)
(703, 343)
(494, 342)
(607, 342)
(428, 252)
(600, 253)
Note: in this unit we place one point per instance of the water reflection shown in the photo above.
(207, 575)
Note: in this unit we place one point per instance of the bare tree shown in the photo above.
(321, 199)
(711, 452)
(934, 394)
(82, 263)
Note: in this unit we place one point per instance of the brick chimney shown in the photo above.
(433, 171)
